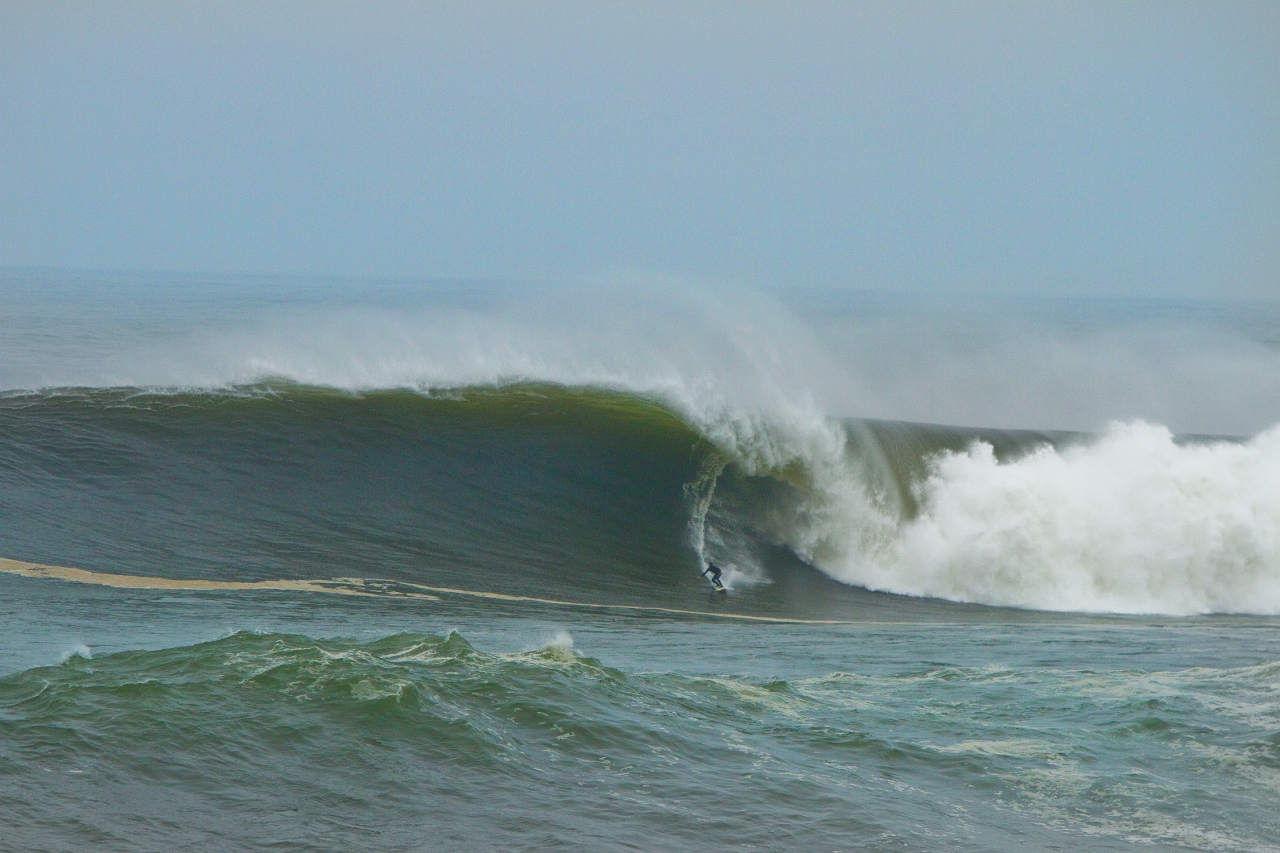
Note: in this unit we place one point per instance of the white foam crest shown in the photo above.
(739, 367)
(559, 648)
(562, 642)
(1131, 523)
(79, 650)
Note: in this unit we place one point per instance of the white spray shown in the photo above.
(1132, 522)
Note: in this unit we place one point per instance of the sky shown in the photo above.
(1116, 148)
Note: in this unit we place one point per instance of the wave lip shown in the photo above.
(579, 493)
(1133, 522)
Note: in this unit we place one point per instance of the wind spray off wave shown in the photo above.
(761, 437)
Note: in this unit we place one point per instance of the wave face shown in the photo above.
(603, 496)
(540, 447)
(531, 490)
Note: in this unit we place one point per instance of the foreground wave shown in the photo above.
(283, 740)
(604, 494)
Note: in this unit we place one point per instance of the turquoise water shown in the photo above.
(934, 638)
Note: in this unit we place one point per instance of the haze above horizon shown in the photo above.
(1090, 149)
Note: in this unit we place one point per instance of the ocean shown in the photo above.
(321, 565)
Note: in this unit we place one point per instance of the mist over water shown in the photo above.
(787, 388)
(1078, 364)
(320, 565)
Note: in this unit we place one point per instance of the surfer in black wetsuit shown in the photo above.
(715, 573)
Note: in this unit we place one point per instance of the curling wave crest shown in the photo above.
(1128, 521)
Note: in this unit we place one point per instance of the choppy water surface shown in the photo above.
(417, 726)
(934, 638)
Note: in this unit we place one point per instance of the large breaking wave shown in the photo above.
(1129, 520)
(576, 481)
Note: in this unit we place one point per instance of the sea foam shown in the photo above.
(1130, 522)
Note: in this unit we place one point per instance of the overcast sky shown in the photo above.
(1067, 148)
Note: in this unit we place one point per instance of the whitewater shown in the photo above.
(1105, 515)
(318, 565)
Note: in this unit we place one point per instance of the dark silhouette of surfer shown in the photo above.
(715, 574)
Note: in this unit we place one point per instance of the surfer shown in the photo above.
(715, 574)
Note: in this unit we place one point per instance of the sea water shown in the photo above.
(1053, 628)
